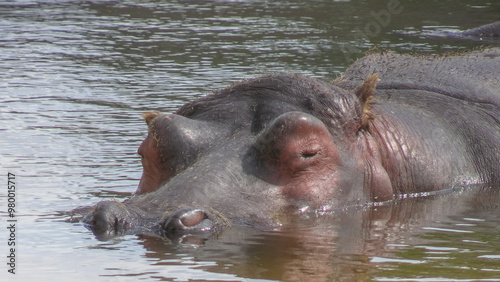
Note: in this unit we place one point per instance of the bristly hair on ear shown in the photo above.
(365, 95)
(149, 116)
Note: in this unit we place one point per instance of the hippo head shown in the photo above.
(252, 153)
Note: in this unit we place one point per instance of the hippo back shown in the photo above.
(491, 30)
(473, 76)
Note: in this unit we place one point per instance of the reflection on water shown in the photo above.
(411, 238)
(76, 76)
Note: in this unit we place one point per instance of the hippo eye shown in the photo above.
(294, 143)
(309, 154)
(310, 150)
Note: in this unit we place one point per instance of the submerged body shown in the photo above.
(489, 31)
(485, 34)
(262, 148)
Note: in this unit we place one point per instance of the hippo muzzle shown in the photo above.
(113, 218)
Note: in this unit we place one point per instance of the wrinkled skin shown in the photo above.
(270, 146)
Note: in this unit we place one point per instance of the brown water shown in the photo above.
(76, 76)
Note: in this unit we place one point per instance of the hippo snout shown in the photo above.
(188, 220)
(112, 218)
(107, 217)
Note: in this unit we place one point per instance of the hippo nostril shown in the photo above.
(194, 217)
(188, 221)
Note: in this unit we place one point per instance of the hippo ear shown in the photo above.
(365, 95)
(149, 116)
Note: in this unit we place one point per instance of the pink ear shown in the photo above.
(149, 116)
(365, 94)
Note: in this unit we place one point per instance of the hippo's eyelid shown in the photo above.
(311, 149)
(307, 154)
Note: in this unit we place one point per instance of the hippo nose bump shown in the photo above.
(189, 220)
(107, 217)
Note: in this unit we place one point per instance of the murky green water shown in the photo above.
(76, 76)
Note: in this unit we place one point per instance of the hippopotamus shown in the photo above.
(491, 31)
(391, 126)
(488, 33)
